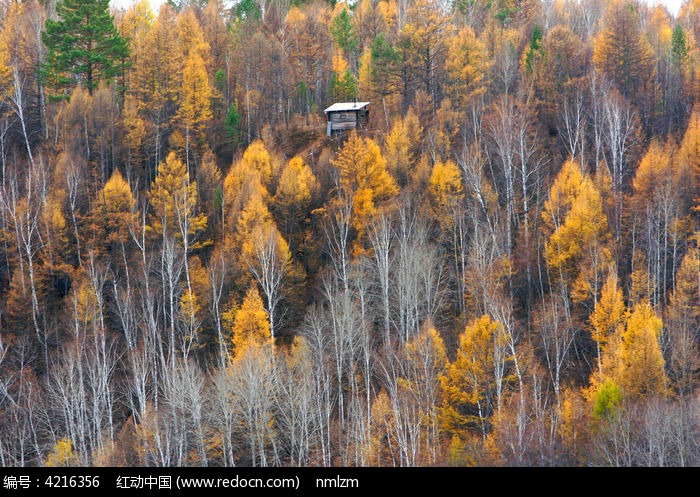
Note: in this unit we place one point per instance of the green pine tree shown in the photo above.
(344, 34)
(84, 47)
(679, 45)
(535, 49)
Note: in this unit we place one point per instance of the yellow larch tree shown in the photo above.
(640, 281)
(267, 255)
(378, 449)
(608, 316)
(87, 306)
(241, 183)
(364, 177)
(446, 192)
(656, 207)
(57, 252)
(257, 158)
(113, 210)
(446, 183)
(642, 374)
(254, 215)
(467, 65)
(192, 305)
(561, 194)
(18, 50)
(364, 73)
(195, 99)
(559, 67)
(190, 35)
(402, 147)
(654, 171)
(156, 78)
(5, 69)
(135, 21)
(409, 401)
(173, 198)
(577, 229)
(470, 382)
(367, 20)
(307, 41)
(244, 208)
(296, 191)
(175, 211)
(251, 325)
(424, 37)
(572, 425)
(62, 455)
(134, 25)
(215, 28)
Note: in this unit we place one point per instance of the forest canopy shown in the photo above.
(500, 267)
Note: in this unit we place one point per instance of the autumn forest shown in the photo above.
(501, 267)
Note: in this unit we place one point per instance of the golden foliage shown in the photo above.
(257, 158)
(467, 65)
(468, 381)
(251, 323)
(446, 186)
(158, 73)
(573, 424)
(241, 184)
(173, 198)
(296, 189)
(655, 175)
(610, 311)
(116, 196)
(190, 35)
(6, 84)
(62, 455)
(195, 95)
(578, 231)
(402, 147)
(363, 176)
(642, 372)
(254, 216)
(378, 449)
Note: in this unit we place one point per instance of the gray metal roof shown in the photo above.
(345, 106)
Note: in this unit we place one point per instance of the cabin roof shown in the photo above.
(345, 106)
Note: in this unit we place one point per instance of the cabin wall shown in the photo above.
(342, 121)
(346, 120)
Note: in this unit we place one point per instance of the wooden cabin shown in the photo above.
(346, 116)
